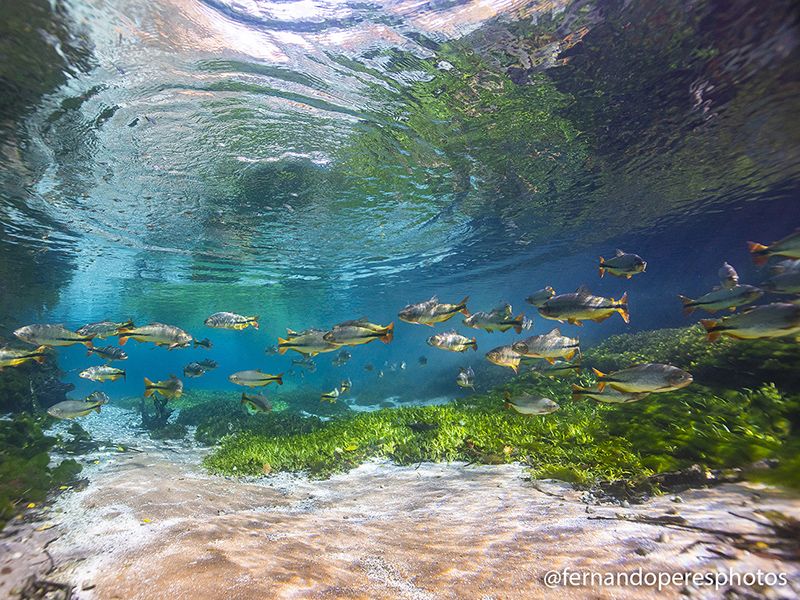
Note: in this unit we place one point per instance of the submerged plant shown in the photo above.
(25, 470)
(583, 442)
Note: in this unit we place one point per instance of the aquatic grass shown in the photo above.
(713, 425)
(25, 470)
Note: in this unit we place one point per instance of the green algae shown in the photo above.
(713, 424)
(25, 469)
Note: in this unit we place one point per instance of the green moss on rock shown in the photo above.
(25, 470)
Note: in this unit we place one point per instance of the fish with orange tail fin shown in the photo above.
(229, 320)
(499, 319)
(504, 356)
(156, 333)
(722, 299)
(432, 311)
(623, 264)
(359, 331)
(12, 357)
(169, 388)
(648, 377)
(582, 305)
(788, 247)
(548, 346)
(309, 342)
(779, 319)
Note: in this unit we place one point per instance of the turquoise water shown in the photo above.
(311, 162)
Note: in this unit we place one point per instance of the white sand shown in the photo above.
(380, 531)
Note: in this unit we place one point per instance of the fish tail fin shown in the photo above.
(578, 392)
(279, 378)
(519, 321)
(759, 253)
(462, 306)
(97, 408)
(195, 344)
(88, 342)
(687, 305)
(623, 308)
(474, 344)
(253, 321)
(388, 336)
(282, 349)
(598, 372)
(710, 325)
(148, 388)
(42, 357)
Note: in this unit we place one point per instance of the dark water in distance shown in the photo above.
(313, 161)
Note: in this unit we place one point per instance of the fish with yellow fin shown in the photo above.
(359, 331)
(229, 320)
(330, 396)
(582, 305)
(52, 335)
(256, 402)
(549, 346)
(309, 342)
(169, 388)
(432, 311)
(12, 357)
(788, 247)
(498, 319)
(159, 334)
(623, 264)
(779, 319)
(255, 378)
(647, 377)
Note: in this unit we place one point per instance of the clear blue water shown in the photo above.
(312, 162)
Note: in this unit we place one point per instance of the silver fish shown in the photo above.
(432, 311)
(52, 335)
(229, 320)
(540, 297)
(648, 377)
(549, 346)
(452, 341)
(622, 265)
(722, 299)
(728, 276)
(466, 378)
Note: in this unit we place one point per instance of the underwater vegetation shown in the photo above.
(25, 468)
(714, 423)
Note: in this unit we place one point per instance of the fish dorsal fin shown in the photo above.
(290, 331)
(583, 290)
(619, 252)
(434, 300)
(502, 308)
(555, 332)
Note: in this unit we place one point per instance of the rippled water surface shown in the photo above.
(313, 161)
